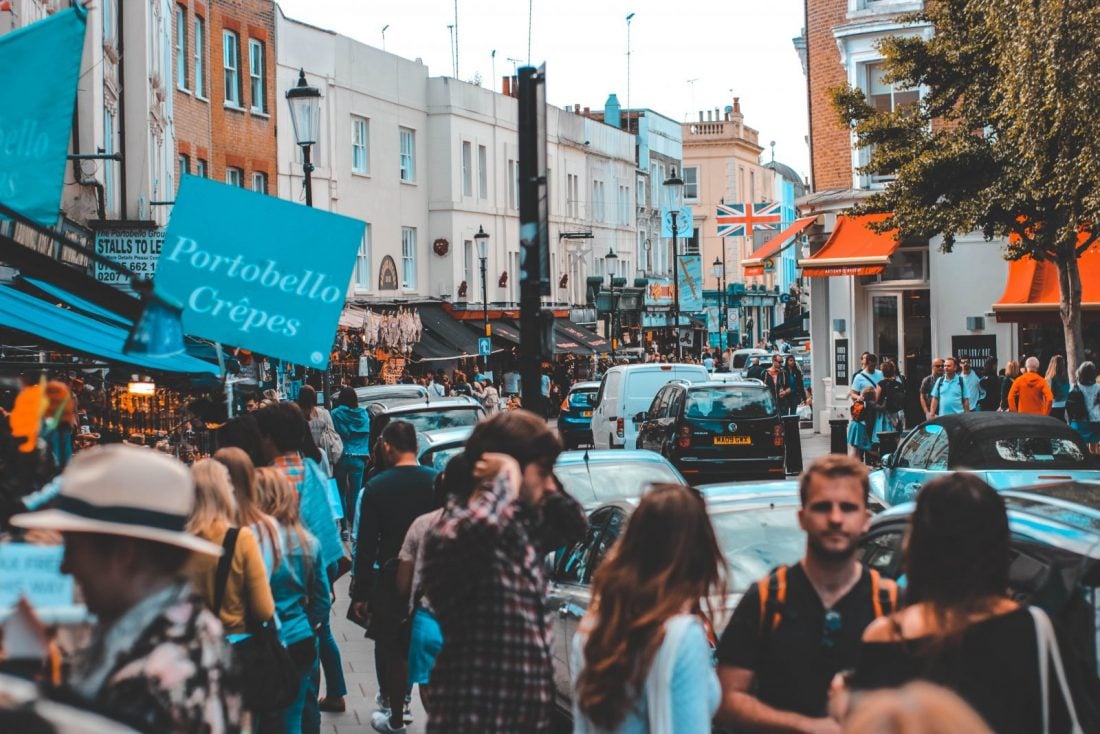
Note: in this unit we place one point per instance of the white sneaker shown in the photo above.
(380, 721)
(381, 704)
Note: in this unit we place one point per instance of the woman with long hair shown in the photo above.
(1012, 371)
(1058, 381)
(247, 594)
(960, 629)
(302, 592)
(1083, 406)
(643, 662)
(797, 385)
(242, 475)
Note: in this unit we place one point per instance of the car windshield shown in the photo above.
(729, 402)
(432, 420)
(439, 458)
(582, 398)
(1039, 450)
(754, 542)
(739, 360)
(612, 480)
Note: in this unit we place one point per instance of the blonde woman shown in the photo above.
(242, 475)
(302, 593)
(247, 594)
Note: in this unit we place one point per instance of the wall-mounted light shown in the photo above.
(142, 388)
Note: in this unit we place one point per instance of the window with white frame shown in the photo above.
(200, 168)
(408, 154)
(468, 265)
(884, 98)
(752, 185)
(234, 176)
(690, 175)
(467, 168)
(599, 203)
(408, 258)
(200, 56)
(624, 205)
(658, 186)
(362, 273)
(231, 61)
(483, 172)
(181, 47)
(513, 185)
(572, 205)
(259, 182)
(643, 251)
(640, 192)
(184, 164)
(360, 144)
(256, 78)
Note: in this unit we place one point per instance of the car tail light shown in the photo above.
(565, 404)
(620, 427)
(777, 434)
(684, 439)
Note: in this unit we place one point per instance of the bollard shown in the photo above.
(838, 436)
(792, 444)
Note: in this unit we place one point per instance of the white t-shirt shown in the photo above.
(410, 549)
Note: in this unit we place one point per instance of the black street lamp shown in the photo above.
(305, 116)
(482, 240)
(675, 186)
(718, 270)
(612, 257)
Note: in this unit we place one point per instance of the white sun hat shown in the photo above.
(124, 490)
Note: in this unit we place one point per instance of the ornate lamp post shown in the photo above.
(675, 186)
(718, 270)
(482, 241)
(611, 258)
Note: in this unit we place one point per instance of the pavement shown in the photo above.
(357, 652)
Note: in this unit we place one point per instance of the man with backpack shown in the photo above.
(869, 375)
(797, 627)
(950, 394)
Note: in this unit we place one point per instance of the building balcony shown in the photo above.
(720, 130)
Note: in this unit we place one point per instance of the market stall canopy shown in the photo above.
(852, 249)
(503, 331)
(567, 332)
(756, 263)
(85, 335)
(451, 336)
(1032, 289)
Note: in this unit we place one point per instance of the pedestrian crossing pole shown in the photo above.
(536, 325)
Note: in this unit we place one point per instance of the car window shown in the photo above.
(440, 457)
(937, 452)
(616, 521)
(612, 480)
(730, 402)
(675, 402)
(918, 449)
(582, 398)
(1038, 450)
(571, 564)
(882, 552)
(609, 390)
(756, 541)
(657, 407)
(433, 420)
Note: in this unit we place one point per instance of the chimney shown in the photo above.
(506, 86)
(612, 112)
(737, 105)
(587, 112)
(576, 109)
(515, 86)
(700, 115)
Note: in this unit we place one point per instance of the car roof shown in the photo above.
(967, 433)
(657, 367)
(608, 455)
(443, 435)
(750, 490)
(741, 382)
(585, 385)
(418, 404)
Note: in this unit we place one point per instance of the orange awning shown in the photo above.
(852, 249)
(757, 263)
(1032, 287)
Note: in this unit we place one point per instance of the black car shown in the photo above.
(715, 431)
(425, 415)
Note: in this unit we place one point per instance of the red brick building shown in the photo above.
(224, 76)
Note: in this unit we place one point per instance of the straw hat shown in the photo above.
(124, 490)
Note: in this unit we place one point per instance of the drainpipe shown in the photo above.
(121, 107)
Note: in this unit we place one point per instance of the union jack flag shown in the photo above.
(741, 220)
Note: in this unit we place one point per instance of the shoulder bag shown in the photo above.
(1049, 652)
(269, 679)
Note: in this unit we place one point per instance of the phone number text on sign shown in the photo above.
(135, 250)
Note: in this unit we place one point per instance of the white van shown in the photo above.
(627, 390)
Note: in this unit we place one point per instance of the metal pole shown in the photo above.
(723, 327)
(613, 311)
(307, 170)
(676, 284)
(484, 309)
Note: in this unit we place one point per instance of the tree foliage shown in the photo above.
(1004, 139)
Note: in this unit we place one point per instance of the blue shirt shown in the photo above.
(299, 584)
(861, 381)
(950, 394)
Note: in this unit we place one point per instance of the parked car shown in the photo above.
(436, 448)
(715, 431)
(1055, 556)
(756, 533)
(1006, 449)
(575, 417)
(593, 477)
(425, 415)
(627, 389)
(742, 359)
(386, 393)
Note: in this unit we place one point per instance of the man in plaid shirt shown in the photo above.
(483, 571)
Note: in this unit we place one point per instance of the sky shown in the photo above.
(684, 56)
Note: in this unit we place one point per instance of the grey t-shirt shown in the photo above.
(410, 549)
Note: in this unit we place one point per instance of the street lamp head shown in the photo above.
(718, 269)
(305, 110)
(482, 240)
(629, 17)
(611, 254)
(675, 186)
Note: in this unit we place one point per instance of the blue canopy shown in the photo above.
(80, 333)
(77, 302)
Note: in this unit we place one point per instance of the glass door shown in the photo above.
(887, 330)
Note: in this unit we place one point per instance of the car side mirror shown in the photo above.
(639, 417)
(888, 461)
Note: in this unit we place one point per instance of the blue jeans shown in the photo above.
(335, 686)
(349, 477)
(303, 716)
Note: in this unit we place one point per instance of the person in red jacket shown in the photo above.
(1030, 393)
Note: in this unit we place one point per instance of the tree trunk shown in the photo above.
(1069, 308)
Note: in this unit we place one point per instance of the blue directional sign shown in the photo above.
(484, 346)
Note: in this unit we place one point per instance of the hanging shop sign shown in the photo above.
(36, 118)
(685, 224)
(387, 275)
(658, 292)
(255, 286)
(135, 245)
(691, 283)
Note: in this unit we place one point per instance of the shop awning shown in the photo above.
(1032, 288)
(589, 342)
(852, 249)
(439, 325)
(504, 332)
(756, 263)
(84, 335)
(77, 302)
(791, 328)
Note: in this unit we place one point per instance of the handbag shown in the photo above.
(1048, 651)
(271, 679)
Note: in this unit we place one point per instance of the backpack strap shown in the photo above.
(884, 594)
(774, 585)
(221, 578)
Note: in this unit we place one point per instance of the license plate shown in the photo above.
(733, 440)
(586, 414)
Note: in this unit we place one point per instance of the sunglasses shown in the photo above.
(830, 631)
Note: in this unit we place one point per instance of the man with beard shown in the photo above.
(797, 627)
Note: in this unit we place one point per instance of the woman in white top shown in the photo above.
(321, 427)
(643, 661)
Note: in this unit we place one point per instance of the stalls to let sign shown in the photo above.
(840, 362)
(257, 272)
(134, 245)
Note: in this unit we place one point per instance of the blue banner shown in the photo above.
(691, 283)
(42, 61)
(257, 272)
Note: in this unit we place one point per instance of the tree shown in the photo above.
(1003, 139)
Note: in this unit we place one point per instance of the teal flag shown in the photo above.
(257, 272)
(691, 283)
(42, 65)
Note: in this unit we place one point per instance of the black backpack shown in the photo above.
(1076, 410)
(893, 395)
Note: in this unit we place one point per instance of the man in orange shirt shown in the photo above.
(1030, 393)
